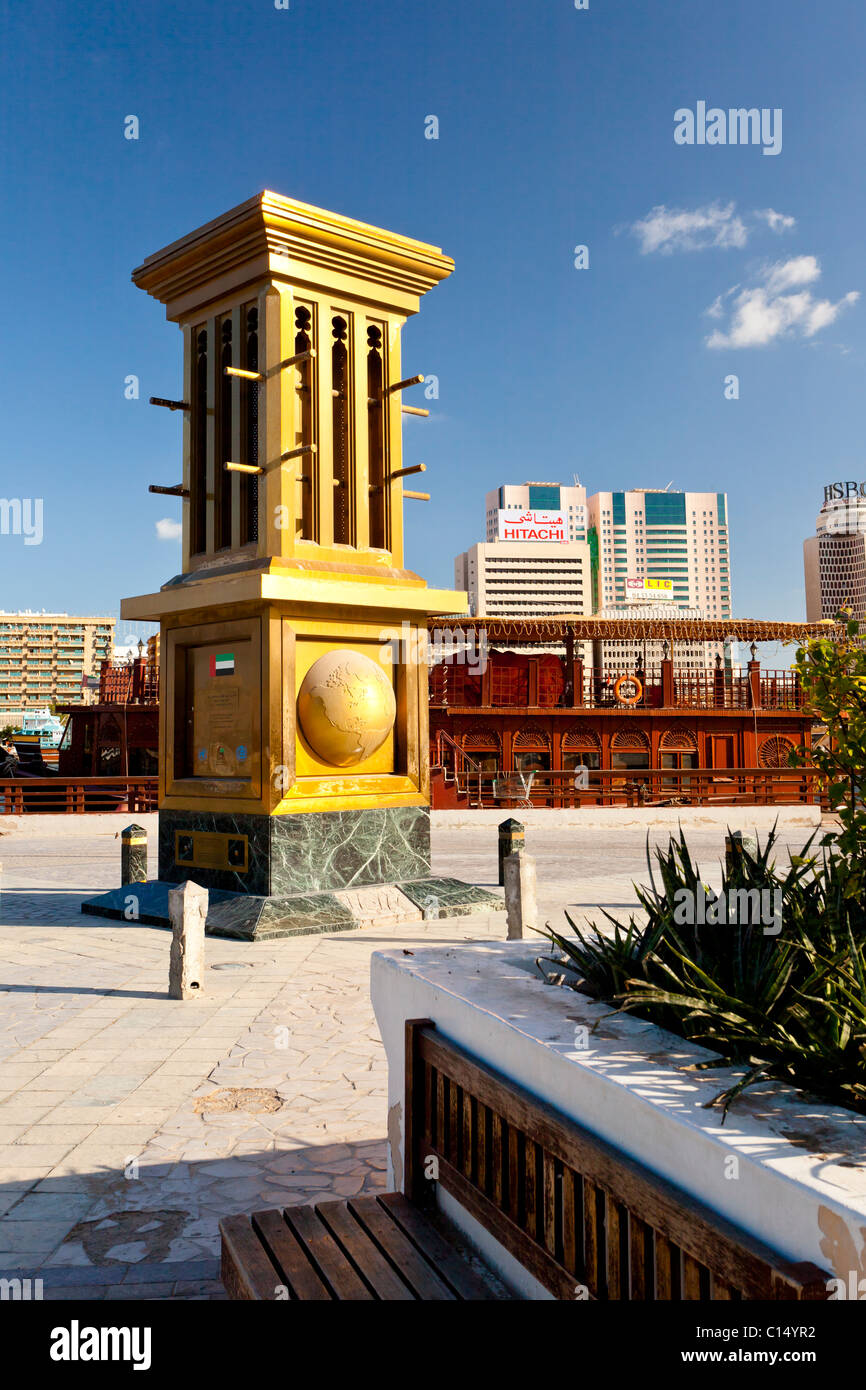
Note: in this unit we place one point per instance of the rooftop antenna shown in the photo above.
(576, 477)
(670, 484)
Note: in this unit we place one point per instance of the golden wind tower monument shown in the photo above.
(294, 760)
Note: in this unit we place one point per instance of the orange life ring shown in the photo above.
(628, 699)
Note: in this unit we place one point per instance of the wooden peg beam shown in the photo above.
(242, 372)
(414, 410)
(299, 357)
(296, 453)
(177, 490)
(242, 468)
(169, 405)
(418, 496)
(401, 385)
(404, 472)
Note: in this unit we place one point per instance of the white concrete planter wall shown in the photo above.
(791, 1172)
(746, 818)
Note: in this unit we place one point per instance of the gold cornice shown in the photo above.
(324, 596)
(270, 237)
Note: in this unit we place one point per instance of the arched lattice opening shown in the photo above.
(629, 749)
(531, 750)
(581, 747)
(484, 746)
(678, 751)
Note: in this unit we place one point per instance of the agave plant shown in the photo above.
(787, 1006)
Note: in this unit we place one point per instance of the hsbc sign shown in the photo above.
(518, 525)
(835, 492)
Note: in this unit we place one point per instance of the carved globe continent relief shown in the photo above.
(346, 707)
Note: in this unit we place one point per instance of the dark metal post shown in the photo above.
(133, 854)
(735, 843)
(512, 839)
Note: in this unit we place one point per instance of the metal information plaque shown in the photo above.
(209, 849)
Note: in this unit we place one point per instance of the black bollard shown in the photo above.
(133, 854)
(511, 841)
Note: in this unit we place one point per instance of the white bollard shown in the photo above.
(520, 905)
(187, 908)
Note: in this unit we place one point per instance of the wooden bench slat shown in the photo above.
(339, 1274)
(295, 1269)
(450, 1264)
(637, 1252)
(691, 1278)
(664, 1269)
(246, 1271)
(413, 1267)
(572, 1253)
(364, 1253)
(617, 1277)
(592, 1269)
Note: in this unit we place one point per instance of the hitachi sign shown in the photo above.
(518, 525)
(835, 492)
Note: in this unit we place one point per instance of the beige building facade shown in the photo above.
(45, 656)
(525, 579)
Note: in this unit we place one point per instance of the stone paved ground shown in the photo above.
(120, 1146)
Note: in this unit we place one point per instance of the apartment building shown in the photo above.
(45, 656)
(647, 534)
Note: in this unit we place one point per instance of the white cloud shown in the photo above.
(716, 224)
(776, 221)
(765, 312)
(786, 275)
(678, 229)
(168, 530)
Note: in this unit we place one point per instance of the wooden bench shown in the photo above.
(366, 1248)
(586, 1220)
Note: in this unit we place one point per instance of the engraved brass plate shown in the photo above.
(210, 849)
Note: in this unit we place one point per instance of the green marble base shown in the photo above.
(310, 852)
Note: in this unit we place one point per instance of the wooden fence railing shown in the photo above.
(754, 786)
(22, 796)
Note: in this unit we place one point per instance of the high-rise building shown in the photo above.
(835, 557)
(535, 559)
(537, 498)
(644, 536)
(45, 656)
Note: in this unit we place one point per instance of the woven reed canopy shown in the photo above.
(558, 626)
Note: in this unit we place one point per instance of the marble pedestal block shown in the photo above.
(311, 852)
(251, 917)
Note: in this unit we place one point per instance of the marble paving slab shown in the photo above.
(449, 897)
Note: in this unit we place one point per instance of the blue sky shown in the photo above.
(556, 128)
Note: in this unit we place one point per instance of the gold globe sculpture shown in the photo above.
(346, 707)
